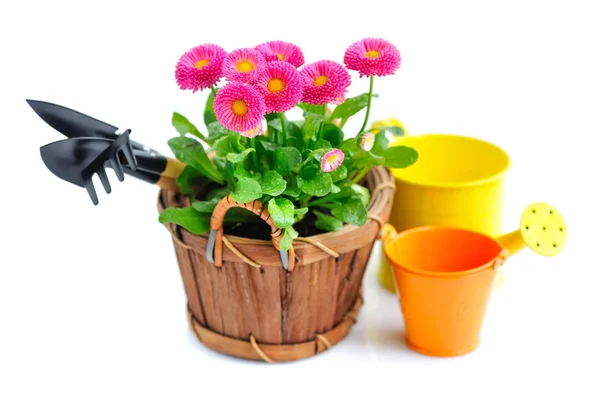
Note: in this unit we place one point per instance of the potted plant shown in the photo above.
(276, 217)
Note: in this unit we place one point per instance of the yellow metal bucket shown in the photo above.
(458, 181)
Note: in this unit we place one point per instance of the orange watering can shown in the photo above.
(444, 275)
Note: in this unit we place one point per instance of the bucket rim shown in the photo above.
(453, 184)
(443, 275)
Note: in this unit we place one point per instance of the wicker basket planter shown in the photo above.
(242, 302)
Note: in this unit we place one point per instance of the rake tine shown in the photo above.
(117, 167)
(104, 179)
(89, 186)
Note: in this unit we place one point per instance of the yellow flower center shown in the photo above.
(331, 158)
(373, 54)
(281, 57)
(275, 85)
(201, 64)
(239, 107)
(245, 66)
(320, 81)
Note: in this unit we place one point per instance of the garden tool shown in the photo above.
(77, 159)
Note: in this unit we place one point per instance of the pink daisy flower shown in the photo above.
(243, 64)
(200, 67)
(331, 160)
(324, 82)
(367, 142)
(282, 51)
(239, 107)
(372, 57)
(281, 85)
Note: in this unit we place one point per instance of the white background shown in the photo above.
(91, 300)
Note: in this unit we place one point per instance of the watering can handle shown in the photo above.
(388, 232)
(214, 249)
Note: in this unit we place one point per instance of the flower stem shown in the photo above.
(254, 156)
(214, 90)
(360, 175)
(322, 122)
(283, 128)
(371, 80)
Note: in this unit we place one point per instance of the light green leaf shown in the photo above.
(300, 211)
(272, 183)
(286, 159)
(183, 125)
(237, 158)
(395, 131)
(380, 145)
(311, 126)
(288, 236)
(318, 185)
(351, 106)
(246, 190)
(340, 173)
(188, 218)
(206, 206)
(365, 159)
(282, 212)
(327, 223)
(362, 193)
(191, 153)
(399, 157)
(216, 131)
(352, 212)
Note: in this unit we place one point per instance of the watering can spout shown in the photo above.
(513, 242)
(542, 228)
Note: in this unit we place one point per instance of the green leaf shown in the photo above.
(311, 108)
(206, 206)
(366, 159)
(294, 134)
(380, 145)
(322, 144)
(183, 125)
(209, 112)
(272, 183)
(395, 131)
(237, 158)
(191, 153)
(288, 236)
(246, 190)
(333, 134)
(351, 106)
(219, 193)
(187, 178)
(327, 223)
(275, 124)
(282, 212)
(222, 146)
(269, 145)
(399, 157)
(286, 159)
(318, 185)
(311, 126)
(188, 218)
(216, 131)
(339, 174)
(292, 191)
(352, 212)
(362, 193)
(300, 211)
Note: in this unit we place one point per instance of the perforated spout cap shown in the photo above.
(543, 229)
